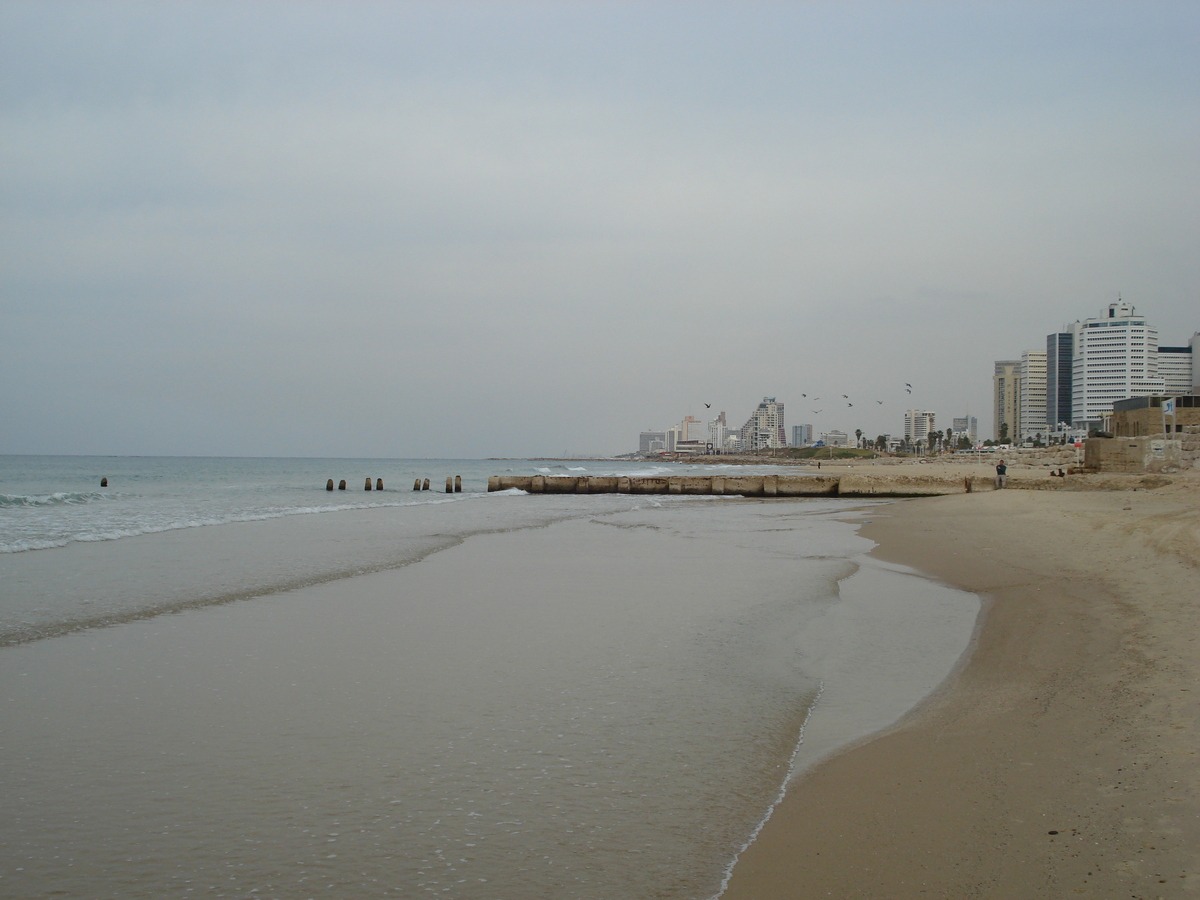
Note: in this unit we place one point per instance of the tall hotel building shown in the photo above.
(1006, 399)
(1179, 368)
(1115, 357)
(1060, 363)
(764, 429)
(917, 425)
(1031, 417)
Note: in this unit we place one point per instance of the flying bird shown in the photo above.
(816, 410)
(908, 390)
(880, 402)
(708, 406)
(804, 395)
(849, 404)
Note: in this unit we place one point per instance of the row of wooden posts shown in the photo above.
(453, 484)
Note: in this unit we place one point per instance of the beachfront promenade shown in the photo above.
(848, 484)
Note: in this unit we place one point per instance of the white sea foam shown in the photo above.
(115, 527)
(55, 499)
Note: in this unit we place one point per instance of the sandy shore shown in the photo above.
(1061, 760)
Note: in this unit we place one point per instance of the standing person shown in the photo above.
(1001, 475)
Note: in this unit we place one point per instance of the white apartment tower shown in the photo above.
(717, 431)
(1177, 368)
(764, 429)
(917, 425)
(690, 429)
(1032, 413)
(1115, 357)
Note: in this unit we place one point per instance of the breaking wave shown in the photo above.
(17, 501)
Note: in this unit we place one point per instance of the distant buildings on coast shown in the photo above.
(1054, 395)
(765, 429)
(1068, 389)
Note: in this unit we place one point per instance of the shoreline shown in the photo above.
(1059, 759)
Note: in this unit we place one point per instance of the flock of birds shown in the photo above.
(908, 389)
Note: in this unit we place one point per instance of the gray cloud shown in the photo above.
(480, 229)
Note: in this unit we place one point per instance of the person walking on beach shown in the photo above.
(1001, 475)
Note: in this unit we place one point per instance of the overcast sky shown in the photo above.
(482, 229)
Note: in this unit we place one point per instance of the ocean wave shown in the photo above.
(13, 501)
(116, 532)
(22, 546)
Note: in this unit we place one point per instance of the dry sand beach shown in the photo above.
(1061, 759)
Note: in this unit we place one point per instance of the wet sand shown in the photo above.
(1061, 759)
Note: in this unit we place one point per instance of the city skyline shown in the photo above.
(1087, 367)
(468, 229)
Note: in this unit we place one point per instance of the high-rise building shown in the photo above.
(1059, 363)
(1176, 368)
(802, 435)
(967, 426)
(1006, 399)
(764, 429)
(652, 442)
(1115, 357)
(1032, 414)
(690, 429)
(718, 431)
(917, 425)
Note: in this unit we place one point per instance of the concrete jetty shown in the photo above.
(881, 484)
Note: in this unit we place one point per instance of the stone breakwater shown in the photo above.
(850, 484)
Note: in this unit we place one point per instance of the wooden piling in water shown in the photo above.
(458, 484)
(379, 484)
(367, 486)
(103, 482)
(417, 484)
(342, 485)
(425, 485)
(329, 485)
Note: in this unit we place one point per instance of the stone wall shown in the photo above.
(1154, 453)
(1049, 457)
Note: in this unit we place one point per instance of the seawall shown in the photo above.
(850, 484)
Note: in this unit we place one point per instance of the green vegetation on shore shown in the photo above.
(823, 453)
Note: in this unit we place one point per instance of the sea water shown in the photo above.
(222, 680)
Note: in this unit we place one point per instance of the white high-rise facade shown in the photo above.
(1032, 415)
(764, 429)
(1177, 368)
(718, 431)
(917, 425)
(1115, 357)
